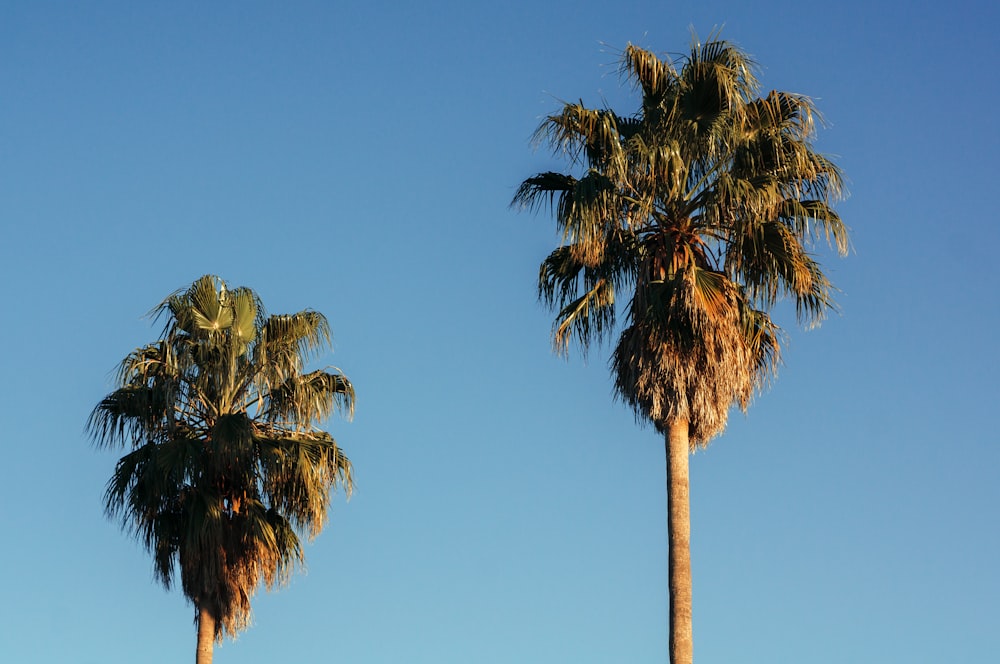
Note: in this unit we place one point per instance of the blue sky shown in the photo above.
(358, 159)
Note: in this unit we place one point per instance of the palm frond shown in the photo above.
(545, 189)
(653, 75)
(297, 466)
(580, 132)
(310, 398)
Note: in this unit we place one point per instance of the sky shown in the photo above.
(359, 158)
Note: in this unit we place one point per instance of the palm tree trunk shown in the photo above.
(206, 637)
(679, 542)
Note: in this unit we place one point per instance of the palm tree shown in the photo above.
(226, 466)
(695, 215)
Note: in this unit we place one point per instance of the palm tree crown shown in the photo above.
(699, 209)
(226, 464)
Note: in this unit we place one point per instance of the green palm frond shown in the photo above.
(584, 294)
(583, 133)
(590, 316)
(764, 340)
(287, 342)
(307, 331)
(551, 189)
(311, 397)
(295, 466)
(123, 416)
(245, 315)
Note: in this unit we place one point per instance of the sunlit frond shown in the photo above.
(297, 466)
(245, 316)
(585, 294)
(312, 397)
(584, 133)
(655, 76)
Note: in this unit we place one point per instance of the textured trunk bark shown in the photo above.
(206, 637)
(679, 542)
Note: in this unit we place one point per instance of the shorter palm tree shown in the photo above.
(226, 467)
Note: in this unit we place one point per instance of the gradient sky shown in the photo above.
(359, 159)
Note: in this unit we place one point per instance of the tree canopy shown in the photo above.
(226, 467)
(692, 217)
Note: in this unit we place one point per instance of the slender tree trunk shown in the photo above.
(206, 637)
(679, 542)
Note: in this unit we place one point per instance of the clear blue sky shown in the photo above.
(358, 158)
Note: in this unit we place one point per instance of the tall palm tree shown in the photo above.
(226, 466)
(692, 217)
